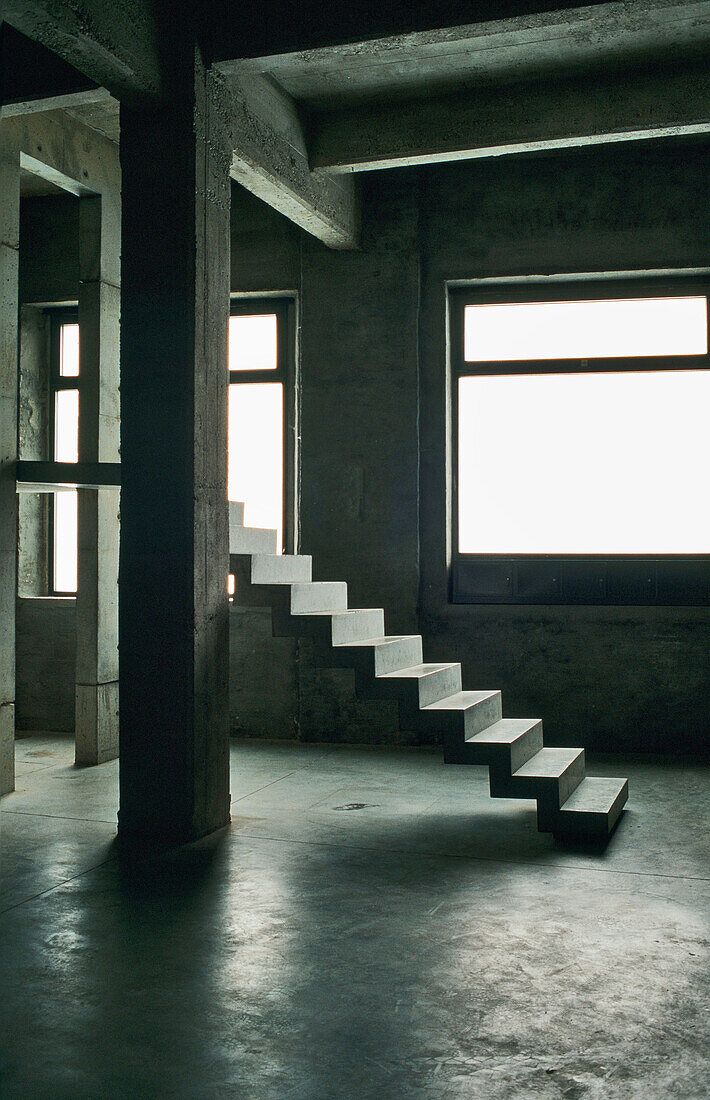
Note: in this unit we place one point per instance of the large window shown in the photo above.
(262, 413)
(580, 445)
(64, 431)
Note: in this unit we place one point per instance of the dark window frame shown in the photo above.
(610, 579)
(58, 316)
(285, 372)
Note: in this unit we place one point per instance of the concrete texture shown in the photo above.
(174, 555)
(369, 926)
(46, 662)
(9, 331)
(96, 721)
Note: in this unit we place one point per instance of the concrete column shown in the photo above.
(173, 609)
(9, 266)
(96, 699)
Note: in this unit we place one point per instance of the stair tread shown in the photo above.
(504, 731)
(415, 672)
(343, 611)
(461, 700)
(383, 640)
(548, 764)
(594, 795)
(284, 557)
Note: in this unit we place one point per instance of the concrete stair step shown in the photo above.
(281, 568)
(236, 514)
(377, 656)
(459, 716)
(422, 683)
(550, 776)
(251, 540)
(353, 626)
(319, 596)
(593, 808)
(510, 742)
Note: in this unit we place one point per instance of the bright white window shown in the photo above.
(66, 449)
(256, 452)
(583, 461)
(256, 419)
(620, 328)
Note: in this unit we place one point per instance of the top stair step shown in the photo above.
(236, 514)
(280, 568)
(251, 540)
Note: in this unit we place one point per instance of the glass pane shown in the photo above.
(584, 463)
(65, 541)
(69, 351)
(253, 342)
(66, 426)
(255, 464)
(585, 330)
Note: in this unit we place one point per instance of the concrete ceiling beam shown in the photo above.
(271, 160)
(519, 118)
(116, 45)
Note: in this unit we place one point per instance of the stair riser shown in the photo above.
(280, 569)
(549, 792)
(236, 514)
(357, 626)
(319, 597)
(473, 720)
(251, 540)
(414, 693)
(371, 661)
(505, 759)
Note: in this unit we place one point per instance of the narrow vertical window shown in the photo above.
(260, 357)
(65, 448)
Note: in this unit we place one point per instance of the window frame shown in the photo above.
(58, 316)
(284, 307)
(568, 579)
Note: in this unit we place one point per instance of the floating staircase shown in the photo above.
(430, 696)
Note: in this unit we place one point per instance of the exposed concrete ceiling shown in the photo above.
(606, 37)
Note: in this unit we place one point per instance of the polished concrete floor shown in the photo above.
(371, 925)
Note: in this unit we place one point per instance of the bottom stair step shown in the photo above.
(593, 809)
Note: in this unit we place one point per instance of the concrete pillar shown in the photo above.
(96, 699)
(9, 266)
(173, 609)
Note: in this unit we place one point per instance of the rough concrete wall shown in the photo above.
(46, 634)
(49, 249)
(46, 656)
(617, 679)
(32, 563)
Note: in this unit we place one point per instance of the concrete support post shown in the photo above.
(96, 699)
(9, 316)
(173, 609)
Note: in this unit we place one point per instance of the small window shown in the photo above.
(580, 448)
(64, 404)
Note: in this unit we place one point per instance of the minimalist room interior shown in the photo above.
(354, 549)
